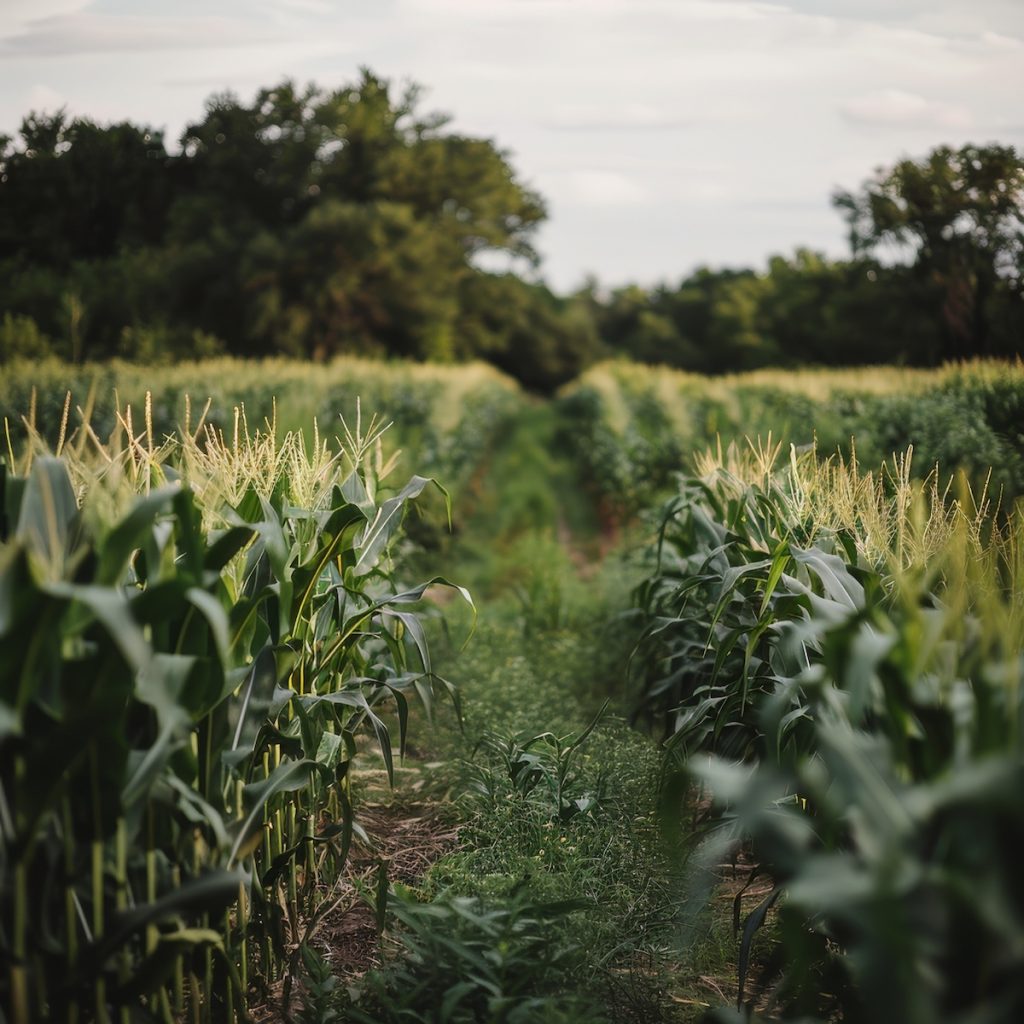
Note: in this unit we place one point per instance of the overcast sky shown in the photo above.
(663, 133)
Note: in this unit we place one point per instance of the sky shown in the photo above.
(664, 134)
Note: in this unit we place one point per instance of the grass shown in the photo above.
(514, 844)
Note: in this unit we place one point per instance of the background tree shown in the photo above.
(308, 221)
(526, 330)
(960, 214)
(314, 222)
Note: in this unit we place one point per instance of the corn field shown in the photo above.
(209, 629)
(634, 426)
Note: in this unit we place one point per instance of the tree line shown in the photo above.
(315, 222)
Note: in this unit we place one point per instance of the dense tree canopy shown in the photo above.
(307, 221)
(960, 215)
(313, 222)
(937, 273)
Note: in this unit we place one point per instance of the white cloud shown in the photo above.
(1001, 42)
(85, 32)
(595, 187)
(901, 109)
(43, 99)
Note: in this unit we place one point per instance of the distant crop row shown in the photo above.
(635, 426)
(630, 426)
(193, 634)
(836, 660)
(443, 417)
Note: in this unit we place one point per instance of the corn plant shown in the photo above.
(98, 711)
(179, 706)
(861, 706)
(892, 840)
(444, 418)
(730, 570)
(634, 427)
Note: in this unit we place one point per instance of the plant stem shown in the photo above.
(70, 912)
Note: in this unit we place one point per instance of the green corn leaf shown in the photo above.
(753, 922)
(780, 559)
(158, 967)
(386, 521)
(112, 610)
(251, 707)
(129, 534)
(209, 894)
(836, 579)
(225, 546)
(49, 522)
(336, 535)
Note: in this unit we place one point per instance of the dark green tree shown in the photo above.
(959, 214)
(75, 197)
(842, 312)
(306, 221)
(539, 338)
(709, 323)
(343, 220)
(74, 190)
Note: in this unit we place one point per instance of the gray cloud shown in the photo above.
(663, 132)
(85, 32)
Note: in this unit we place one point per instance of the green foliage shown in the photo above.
(632, 427)
(20, 338)
(960, 213)
(514, 846)
(626, 454)
(307, 222)
(181, 688)
(540, 339)
(542, 764)
(956, 215)
(858, 725)
(312, 223)
(467, 960)
(803, 309)
(321, 989)
(833, 655)
(726, 576)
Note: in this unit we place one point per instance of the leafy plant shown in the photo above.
(321, 989)
(730, 571)
(467, 960)
(861, 707)
(544, 763)
(180, 694)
